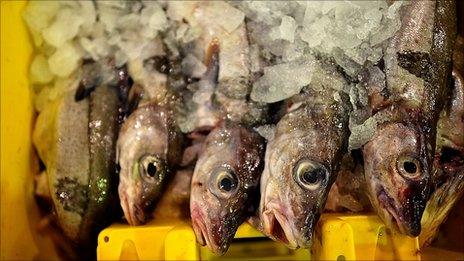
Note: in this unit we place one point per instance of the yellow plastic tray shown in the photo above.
(339, 237)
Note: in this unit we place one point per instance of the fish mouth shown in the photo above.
(277, 226)
(133, 213)
(393, 219)
(201, 231)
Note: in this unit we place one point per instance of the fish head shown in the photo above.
(298, 173)
(225, 184)
(145, 149)
(397, 176)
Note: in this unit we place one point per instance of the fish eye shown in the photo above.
(224, 182)
(151, 168)
(309, 174)
(409, 166)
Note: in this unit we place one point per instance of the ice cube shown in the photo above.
(282, 81)
(64, 28)
(222, 14)
(361, 134)
(192, 66)
(65, 60)
(40, 72)
(39, 14)
(286, 30)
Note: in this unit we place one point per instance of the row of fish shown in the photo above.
(279, 176)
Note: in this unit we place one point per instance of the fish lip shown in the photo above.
(271, 215)
(390, 208)
(201, 231)
(132, 212)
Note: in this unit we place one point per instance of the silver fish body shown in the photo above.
(398, 158)
(448, 175)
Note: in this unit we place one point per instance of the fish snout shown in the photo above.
(402, 214)
(280, 225)
(208, 232)
(133, 211)
(413, 207)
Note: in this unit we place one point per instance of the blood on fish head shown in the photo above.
(397, 176)
(146, 150)
(225, 184)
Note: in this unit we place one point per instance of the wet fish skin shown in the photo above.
(398, 159)
(66, 158)
(301, 163)
(225, 184)
(103, 130)
(148, 151)
(448, 176)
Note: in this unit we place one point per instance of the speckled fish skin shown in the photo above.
(66, 158)
(103, 130)
(232, 154)
(148, 151)
(448, 175)
(398, 159)
(76, 141)
(301, 164)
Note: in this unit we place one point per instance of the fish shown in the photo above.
(448, 175)
(148, 151)
(76, 140)
(225, 184)
(103, 128)
(66, 159)
(302, 160)
(398, 158)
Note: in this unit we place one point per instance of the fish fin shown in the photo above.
(134, 97)
(83, 92)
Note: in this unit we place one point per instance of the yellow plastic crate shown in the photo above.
(338, 238)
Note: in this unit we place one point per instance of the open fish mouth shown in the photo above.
(277, 226)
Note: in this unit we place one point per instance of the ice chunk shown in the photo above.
(154, 17)
(96, 48)
(222, 14)
(192, 66)
(315, 32)
(361, 134)
(282, 81)
(349, 31)
(286, 30)
(89, 15)
(40, 72)
(294, 51)
(64, 28)
(65, 60)
(39, 14)
(178, 10)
